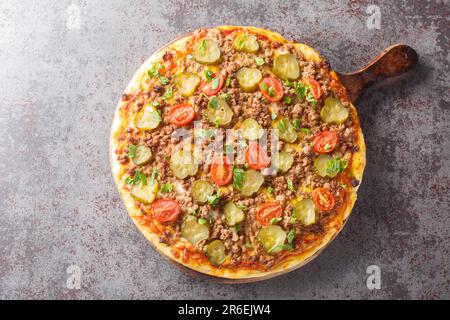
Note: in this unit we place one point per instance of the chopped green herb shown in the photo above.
(248, 245)
(271, 92)
(202, 221)
(215, 83)
(296, 124)
(214, 199)
(336, 165)
(154, 70)
(168, 94)
(292, 220)
(269, 189)
(209, 75)
(131, 151)
(273, 116)
(264, 86)
(213, 103)
(238, 178)
(290, 236)
(287, 100)
(225, 96)
(259, 61)
(154, 176)
(202, 46)
(217, 122)
(242, 207)
(164, 80)
(241, 43)
(305, 131)
(327, 146)
(139, 177)
(290, 185)
(275, 220)
(228, 82)
(281, 247)
(155, 103)
(282, 125)
(167, 187)
(204, 133)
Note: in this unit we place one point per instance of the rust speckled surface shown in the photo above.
(64, 65)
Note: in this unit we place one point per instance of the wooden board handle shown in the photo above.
(391, 62)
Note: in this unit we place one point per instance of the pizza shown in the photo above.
(237, 153)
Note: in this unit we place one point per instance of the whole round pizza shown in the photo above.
(237, 153)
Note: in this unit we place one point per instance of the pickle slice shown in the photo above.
(333, 111)
(142, 155)
(304, 211)
(286, 129)
(201, 190)
(193, 231)
(271, 237)
(246, 42)
(321, 164)
(251, 130)
(182, 163)
(145, 194)
(283, 161)
(218, 112)
(215, 251)
(233, 214)
(252, 182)
(186, 83)
(148, 118)
(248, 78)
(285, 66)
(207, 52)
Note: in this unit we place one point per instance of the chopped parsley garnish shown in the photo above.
(282, 125)
(269, 189)
(154, 70)
(305, 131)
(271, 92)
(296, 124)
(202, 46)
(242, 207)
(202, 221)
(208, 75)
(292, 220)
(167, 187)
(225, 96)
(264, 86)
(168, 94)
(163, 80)
(287, 100)
(248, 245)
(214, 199)
(290, 185)
(290, 236)
(154, 176)
(275, 220)
(139, 178)
(238, 178)
(259, 61)
(327, 146)
(131, 151)
(287, 246)
(336, 165)
(155, 103)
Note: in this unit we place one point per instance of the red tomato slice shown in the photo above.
(271, 89)
(207, 86)
(221, 171)
(181, 114)
(323, 199)
(166, 210)
(267, 211)
(316, 89)
(256, 157)
(325, 142)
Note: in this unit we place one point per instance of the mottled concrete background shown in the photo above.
(63, 66)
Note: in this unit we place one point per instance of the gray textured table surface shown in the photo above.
(63, 66)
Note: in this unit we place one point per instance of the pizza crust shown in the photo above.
(289, 263)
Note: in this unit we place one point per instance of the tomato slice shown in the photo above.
(267, 211)
(181, 114)
(218, 79)
(271, 89)
(166, 210)
(221, 171)
(323, 199)
(316, 89)
(325, 142)
(256, 157)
